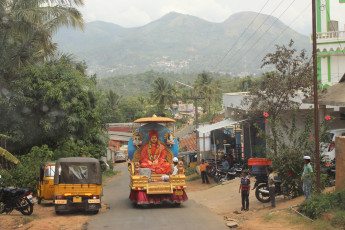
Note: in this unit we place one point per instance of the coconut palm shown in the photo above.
(205, 87)
(27, 26)
(163, 94)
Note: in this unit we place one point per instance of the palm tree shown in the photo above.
(27, 26)
(163, 94)
(5, 156)
(205, 87)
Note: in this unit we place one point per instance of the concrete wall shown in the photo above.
(340, 163)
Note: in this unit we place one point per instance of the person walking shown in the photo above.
(271, 187)
(203, 166)
(244, 190)
(306, 176)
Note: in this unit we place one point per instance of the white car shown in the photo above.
(329, 152)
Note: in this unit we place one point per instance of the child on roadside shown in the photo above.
(245, 190)
(271, 186)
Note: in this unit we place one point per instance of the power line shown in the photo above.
(222, 59)
(268, 16)
(266, 31)
(281, 33)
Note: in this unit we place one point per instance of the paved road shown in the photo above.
(123, 215)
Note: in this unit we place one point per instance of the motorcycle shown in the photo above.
(16, 198)
(261, 188)
(221, 174)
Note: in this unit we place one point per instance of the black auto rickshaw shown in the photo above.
(77, 184)
(45, 187)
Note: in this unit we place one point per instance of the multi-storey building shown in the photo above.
(330, 44)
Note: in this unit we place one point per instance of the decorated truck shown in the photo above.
(156, 175)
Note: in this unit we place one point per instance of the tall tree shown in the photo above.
(163, 94)
(52, 102)
(27, 26)
(205, 87)
(276, 90)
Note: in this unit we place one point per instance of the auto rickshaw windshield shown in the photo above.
(78, 171)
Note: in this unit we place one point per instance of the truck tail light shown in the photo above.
(60, 197)
(68, 194)
(139, 188)
(179, 187)
(95, 197)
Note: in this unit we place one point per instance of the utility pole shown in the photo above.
(195, 98)
(316, 101)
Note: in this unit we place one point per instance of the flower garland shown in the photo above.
(157, 152)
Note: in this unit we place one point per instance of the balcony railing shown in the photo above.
(332, 35)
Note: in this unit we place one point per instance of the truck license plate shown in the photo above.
(179, 193)
(77, 199)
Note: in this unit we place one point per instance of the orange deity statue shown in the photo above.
(153, 155)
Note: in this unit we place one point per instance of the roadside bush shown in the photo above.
(288, 144)
(189, 171)
(321, 203)
(339, 219)
(26, 173)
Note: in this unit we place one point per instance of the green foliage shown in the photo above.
(322, 203)
(26, 173)
(189, 171)
(276, 90)
(54, 102)
(163, 94)
(339, 219)
(287, 143)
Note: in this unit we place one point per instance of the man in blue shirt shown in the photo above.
(306, 176)
(225, 163)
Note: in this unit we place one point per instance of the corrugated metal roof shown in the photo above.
(219, 125)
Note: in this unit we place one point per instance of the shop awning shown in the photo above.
(218, 125)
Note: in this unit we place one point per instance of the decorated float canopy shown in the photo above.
(140, 136)
(155, 119)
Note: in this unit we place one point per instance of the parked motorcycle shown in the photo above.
(16, 198)
(261, 188)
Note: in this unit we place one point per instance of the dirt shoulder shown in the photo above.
(225, 200)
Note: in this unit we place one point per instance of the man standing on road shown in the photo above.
(306, 176)
(203, 166)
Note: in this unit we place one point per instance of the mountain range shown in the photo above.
(179, 43)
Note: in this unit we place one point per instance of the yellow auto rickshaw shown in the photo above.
(77, 184)
(45, 190)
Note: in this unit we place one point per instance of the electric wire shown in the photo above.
(222, 59)
(268, 17)
(266, 49)
(265, 31)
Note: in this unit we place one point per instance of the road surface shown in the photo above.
(122, 214)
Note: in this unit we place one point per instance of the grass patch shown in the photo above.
(189, 171)
(27, 219)
(269, 216)
(108, 174)
(193, 178)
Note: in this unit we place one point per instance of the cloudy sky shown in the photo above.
(134, 13)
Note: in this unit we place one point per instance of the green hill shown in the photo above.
(176, 43)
